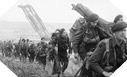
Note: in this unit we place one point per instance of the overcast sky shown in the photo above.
(60, 11)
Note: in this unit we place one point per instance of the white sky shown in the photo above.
(60, 11)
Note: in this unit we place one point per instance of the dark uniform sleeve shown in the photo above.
(77, 39)
(95, 59)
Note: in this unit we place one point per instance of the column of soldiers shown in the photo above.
(101, 52)
(24, 49)
(38, 52)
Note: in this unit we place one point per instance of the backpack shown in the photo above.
(106, 55)
(85, 65)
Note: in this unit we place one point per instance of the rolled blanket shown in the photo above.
(85, 12)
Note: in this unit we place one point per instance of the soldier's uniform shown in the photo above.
(3, 48)
(31, 52)
(117, 54)
(77, 25)
(42, 53)
(62, 42)
(86, 38)
(23, 50)
(9, 48)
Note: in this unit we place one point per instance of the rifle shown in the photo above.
(84, 63)
(57, 67)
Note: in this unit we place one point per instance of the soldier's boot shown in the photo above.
(23, 59)
(44, 67)
(58, 75)
(20, 58)
(61, 74)
(2, 53)
(30, 60)
(64, 66)
(61, 69)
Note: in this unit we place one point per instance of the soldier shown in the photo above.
(18, 48)
(51, 52)
(61, 41)
(42, 53)
(118, 18)
(23, 50)
(105, 63)
(9, 48)
(3, 48)
(31, 52)
(86, 37)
